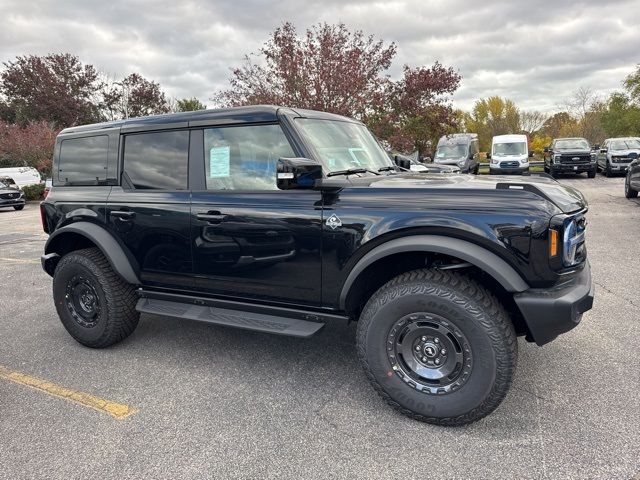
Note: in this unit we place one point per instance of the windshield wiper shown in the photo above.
(351, 171)
(389, 168)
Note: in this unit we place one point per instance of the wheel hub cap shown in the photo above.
(82, 301)
(429, 353)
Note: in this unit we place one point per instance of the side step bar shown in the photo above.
(259, 322)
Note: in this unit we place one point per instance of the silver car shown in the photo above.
(616, 154)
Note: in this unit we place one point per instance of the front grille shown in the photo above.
(620, 159)
(509, 164)
(9, 196)
(574, 159)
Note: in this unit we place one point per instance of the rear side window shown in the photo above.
(83, 160)
(157, 160)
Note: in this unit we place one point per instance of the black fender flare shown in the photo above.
(112, 250)
(476, 255)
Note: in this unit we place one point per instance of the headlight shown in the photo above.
(593, 157)
(524, 160)
(556, 158)
(494, 161)
(461, 163)
(573, 241)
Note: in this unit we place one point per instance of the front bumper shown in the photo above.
(506, 171)
(569, 168)
(552, 311)
(13, 202)
(619, 167)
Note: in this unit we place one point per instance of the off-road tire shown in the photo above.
(553, 173)
(18, 207)
(591, 173)
(476, 170)
(607, 170)
(629, 192)
(117, 317)
(465, 304)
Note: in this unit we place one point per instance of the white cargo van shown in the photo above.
(509, 154)
(23, 176)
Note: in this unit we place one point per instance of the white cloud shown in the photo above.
(535, 53)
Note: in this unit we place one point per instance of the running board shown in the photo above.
(258, 322)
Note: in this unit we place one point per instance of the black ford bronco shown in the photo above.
(282, 220)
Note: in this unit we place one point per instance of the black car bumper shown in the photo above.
(553, 311)
(13, 202)
(568, 168)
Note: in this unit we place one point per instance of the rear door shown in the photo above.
(150, 210)
(251, 241)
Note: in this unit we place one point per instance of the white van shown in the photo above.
(23, 176)
(509, 154)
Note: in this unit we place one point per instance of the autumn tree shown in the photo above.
(333, 69)
(329, 69)
(27, 146)
(493, 116)
(632, 85)
(55, 88)
(416, 110)
(532, 121)
(188, 105)
(134, 96)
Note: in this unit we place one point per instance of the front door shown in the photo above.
(150, 210)
(251, 241)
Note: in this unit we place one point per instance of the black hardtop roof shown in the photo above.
(221, 116)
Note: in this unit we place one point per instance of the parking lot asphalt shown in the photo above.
(214, 402)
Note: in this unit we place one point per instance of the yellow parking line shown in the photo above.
(117, 410)
(20, 260)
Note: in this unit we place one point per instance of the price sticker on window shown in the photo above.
(219, 159)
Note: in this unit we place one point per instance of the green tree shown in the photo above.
(189, 105)
(621, 118)
(632, 85)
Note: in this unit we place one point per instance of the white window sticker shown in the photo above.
(219, 158)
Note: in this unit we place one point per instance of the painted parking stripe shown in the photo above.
(115, 409)
(20, 260)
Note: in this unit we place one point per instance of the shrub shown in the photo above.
(33, 192)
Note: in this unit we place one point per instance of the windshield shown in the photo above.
(451, 151)
(626, 144)
(510, 148)
(3, 185)
(343, 145)
(578, 143)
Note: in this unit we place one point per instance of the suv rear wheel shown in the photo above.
(94, 304)
(629, 192)
(438, 347)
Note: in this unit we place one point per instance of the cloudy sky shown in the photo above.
(535, 52)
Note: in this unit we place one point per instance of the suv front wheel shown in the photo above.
(629, 192)
(94, 304)
(438, 347)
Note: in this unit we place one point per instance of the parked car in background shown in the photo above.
(430, 167)
(23, 176)
(459, 149)
(615, 155)
(47, 187)
(509, 154)
(569, 155)
(11, 196)
(632, 180)
(10, 182)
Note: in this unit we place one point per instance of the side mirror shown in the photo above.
(488, 155)
(297, 173)
(546, 149)
(402, 162)
(530, 154)
(596, 147)
(603, 150)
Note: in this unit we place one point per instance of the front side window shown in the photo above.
(157, 160)
(343, 145)
(244, 157)
(83, 160)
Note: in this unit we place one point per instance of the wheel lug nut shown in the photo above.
(424, 359)
(424, 339)
(443, 351)
(436, 340)
(417, 348)
(437, 361)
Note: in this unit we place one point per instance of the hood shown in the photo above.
(626, 151)
(566, 198)
(572, 150)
